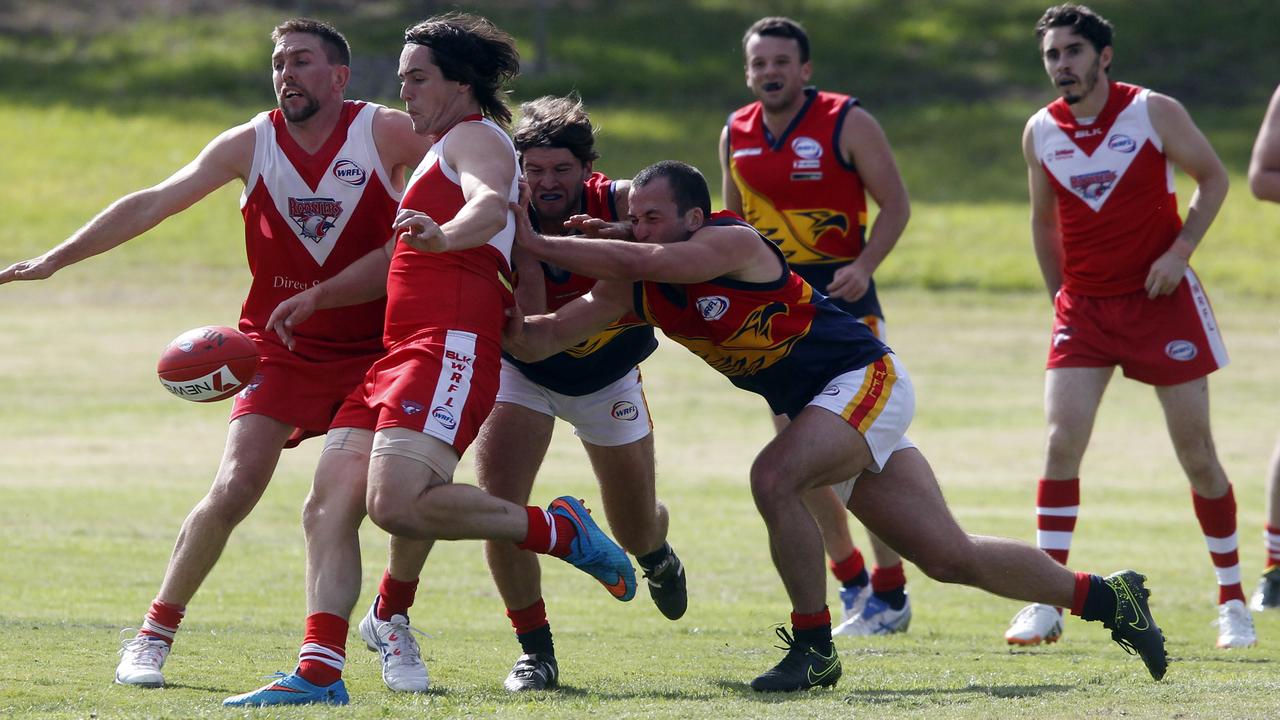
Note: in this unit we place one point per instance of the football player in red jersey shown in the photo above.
(595, 386)
(1114, 255)
(302, 145)
(720, 288)
(1264, 181)
(397, 439)
(797, 164)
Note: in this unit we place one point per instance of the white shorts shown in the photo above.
(879, 402)
(616, 414)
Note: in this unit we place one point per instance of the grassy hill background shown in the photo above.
(952, 82)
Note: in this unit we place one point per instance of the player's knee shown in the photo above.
(234, 495)
(1064, 444)
(768, 487)
(949, 564)
(1198, 458)
(389, 510)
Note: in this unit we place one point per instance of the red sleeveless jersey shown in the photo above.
(1117, 211)
(797, 189)
(306, 218)
(466, 290)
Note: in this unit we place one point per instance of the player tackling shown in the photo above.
(720, 288)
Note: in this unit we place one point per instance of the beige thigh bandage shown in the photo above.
(431, 451)
(356, 440)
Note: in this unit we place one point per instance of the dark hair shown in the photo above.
(557, 122)
(782, 27)
(336, 48)
(688, 187)
(470, 50)
(1083, 21)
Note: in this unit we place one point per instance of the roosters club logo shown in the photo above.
(1094, 185)
(314, 216)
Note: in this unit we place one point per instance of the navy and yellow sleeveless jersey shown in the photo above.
(799, 191)
(782, 339)
(609, 354)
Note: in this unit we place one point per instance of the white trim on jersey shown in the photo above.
(1072, 167)
(317, 216)
(504, 239)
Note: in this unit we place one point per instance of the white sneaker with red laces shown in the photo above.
(402, 666)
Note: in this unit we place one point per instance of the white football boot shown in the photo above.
(141, 659)
(1034, 624)
(876, 618)
(402, 666)
(1235, 626)
(853, 600)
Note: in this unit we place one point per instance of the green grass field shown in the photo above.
(98, 465)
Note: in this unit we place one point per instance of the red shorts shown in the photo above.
(1166, 341)
(299, 392)
(442, 383)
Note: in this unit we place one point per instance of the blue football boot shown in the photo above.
(595, 553)
(292, 689)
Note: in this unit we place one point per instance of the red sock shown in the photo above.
(1218, 521)
(548, 534)
(324, 649)
(848, 568)
(810, 621)
(526, 620)
(1081, 592)
(1057, 505)
(395, 597)
(885, 579)
(1272, 536)
(162, 620)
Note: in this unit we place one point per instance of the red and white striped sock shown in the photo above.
(547, 534)
(324, 649)
(1057, 505)
(162, 621)
(1272, 537)
(1217, 518)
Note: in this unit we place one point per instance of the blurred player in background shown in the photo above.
(397, 439)
(322, 179)
(798, 164)
(595, 386)
(717, 286)
(1114, 254)
(1264, 181)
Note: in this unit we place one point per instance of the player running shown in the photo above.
(798, 164)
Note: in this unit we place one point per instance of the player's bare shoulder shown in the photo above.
(230, 154)
(399, 145)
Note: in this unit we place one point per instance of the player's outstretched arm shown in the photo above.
(227, 157)
(1264, 165)
(538, 337)
(360, 282)
(1045, 235)
(1188, 148)
(864, 145)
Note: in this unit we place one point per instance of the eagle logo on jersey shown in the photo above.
(314, 216)
(604, 337)
(766, 336)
